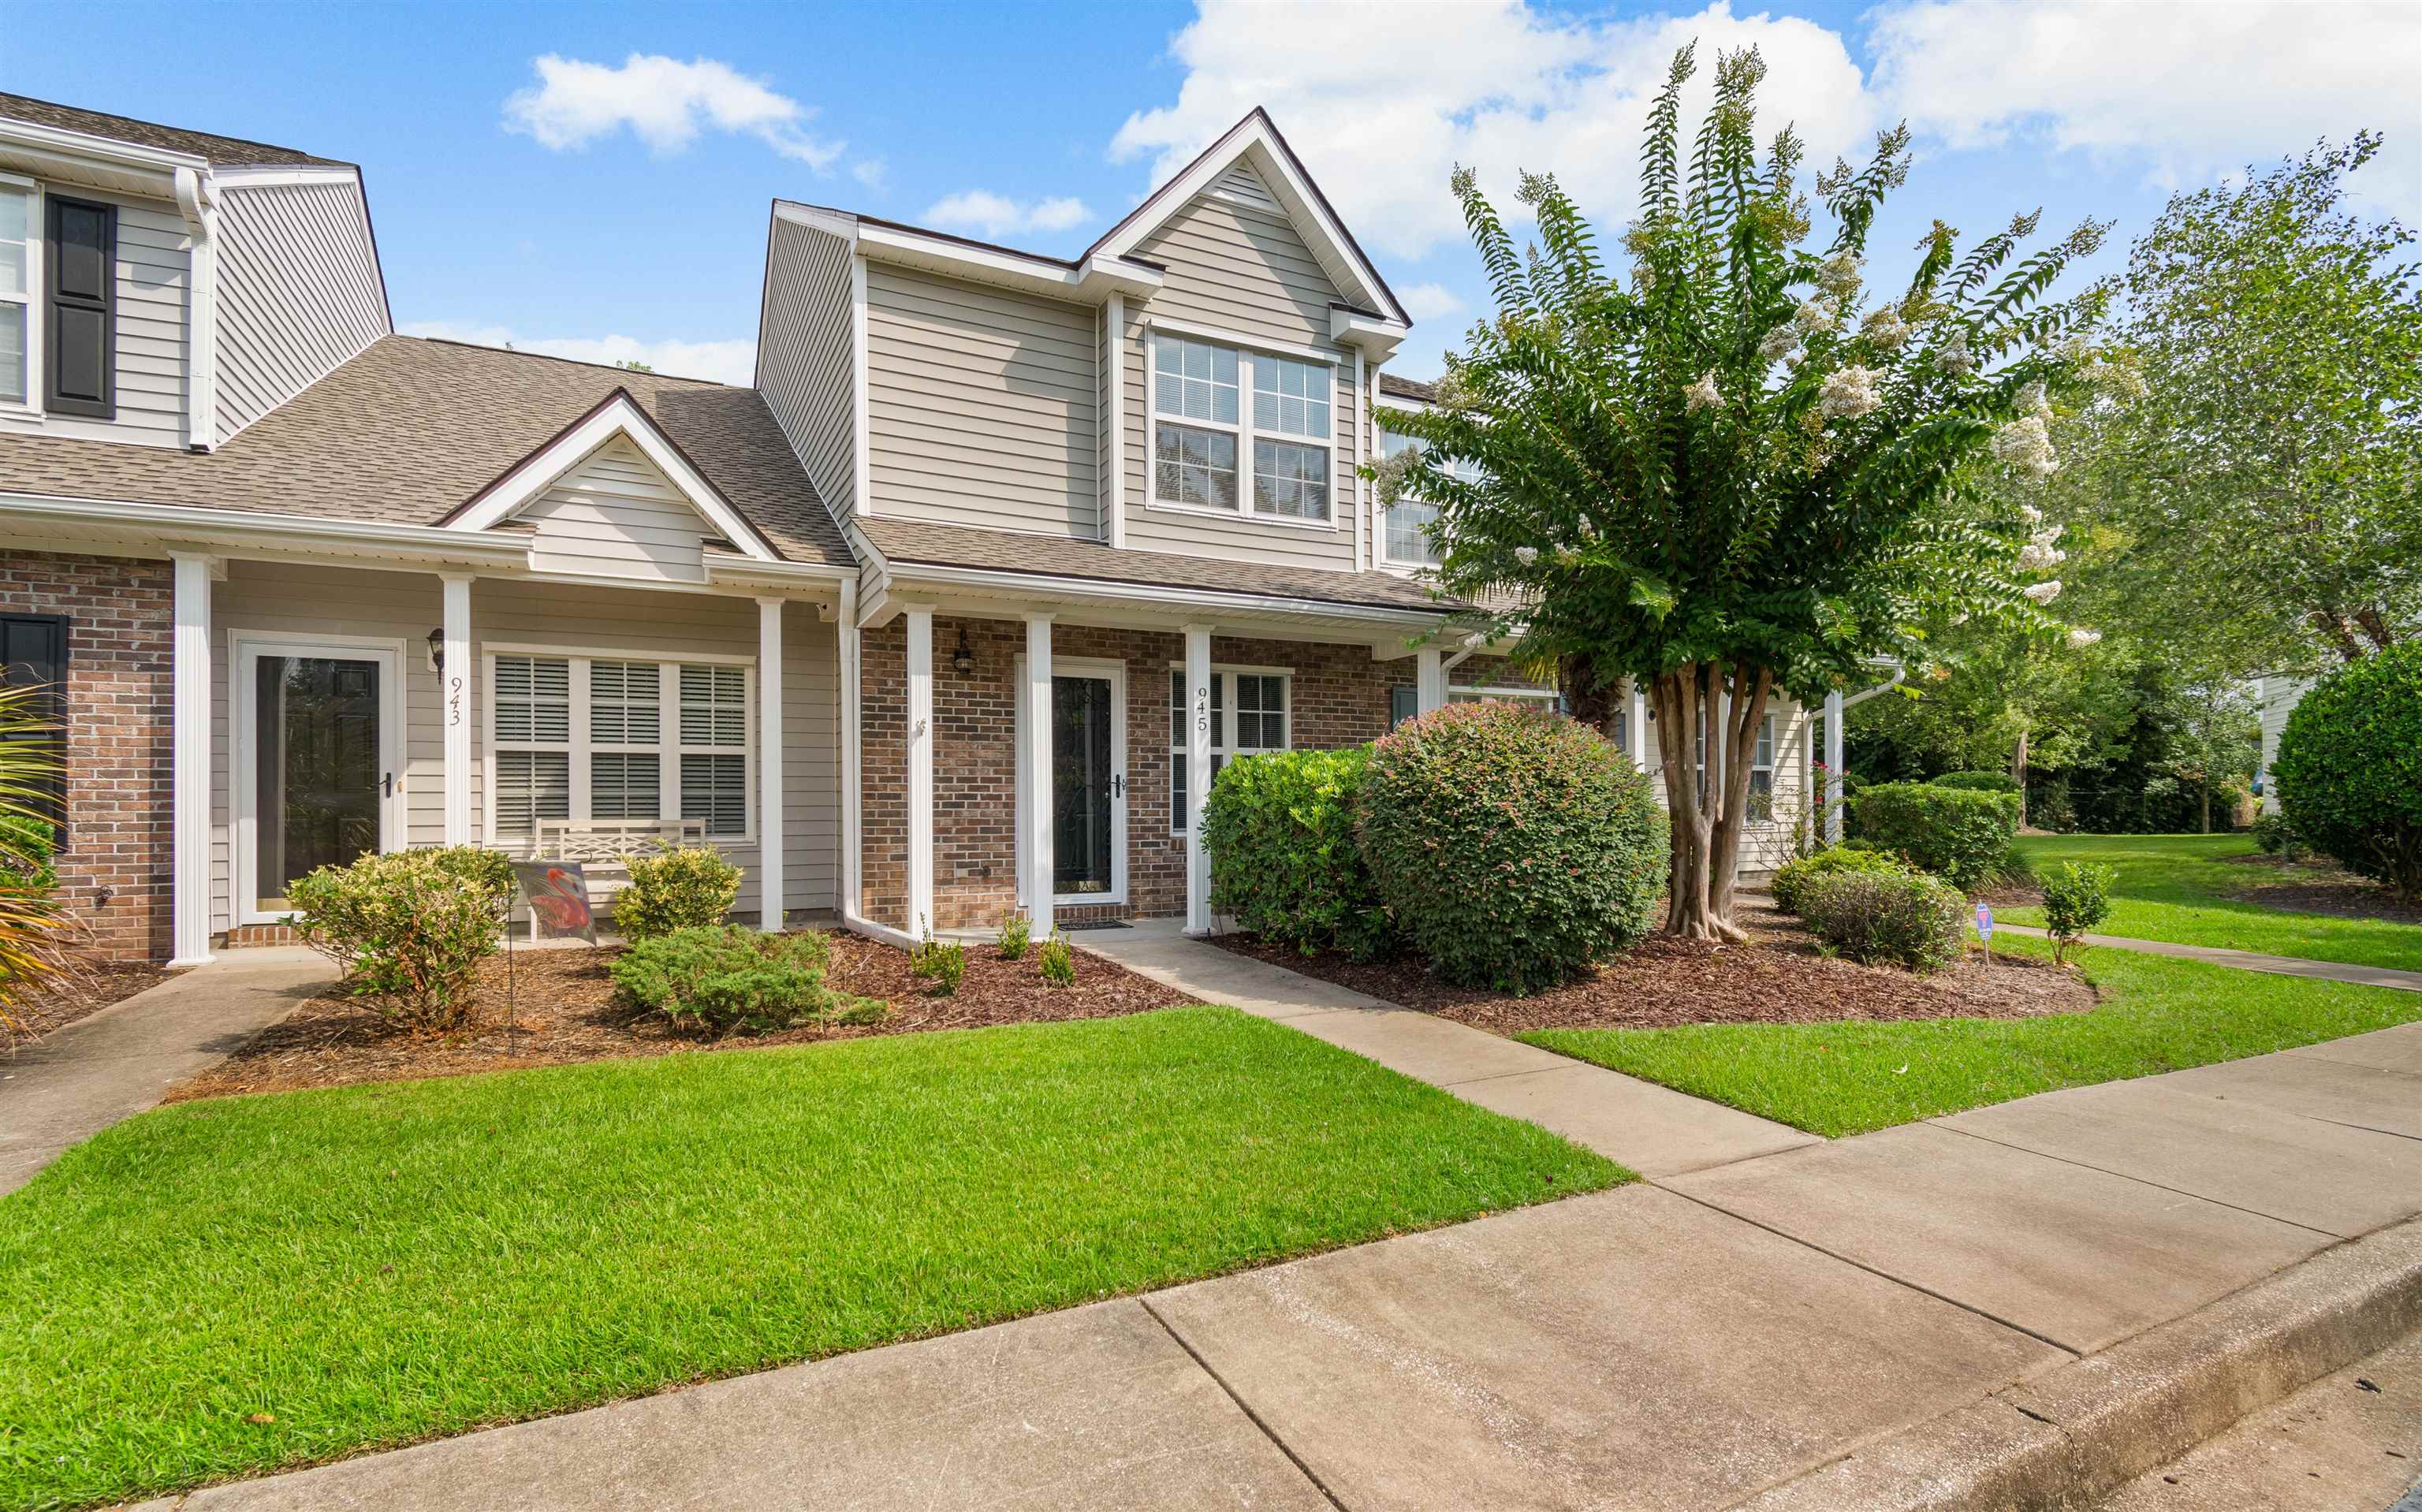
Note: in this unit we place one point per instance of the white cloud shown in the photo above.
(871, 172)
(729, 362)
(1430, 302)
(664, 101)
(996, 215)
(1382, 114)
(2191, 91)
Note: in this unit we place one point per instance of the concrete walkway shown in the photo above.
(2370, 976)
(69, 1085)
(1726, 1331)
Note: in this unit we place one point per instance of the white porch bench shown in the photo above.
(600, 846)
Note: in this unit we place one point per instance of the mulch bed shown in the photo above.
(565, 1011)
(2339, 894)
(1777, 978)
(80, 996)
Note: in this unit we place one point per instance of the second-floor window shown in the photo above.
(19, 266)
(1210, 451)
(1406, 539)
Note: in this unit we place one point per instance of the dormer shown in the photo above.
(162, 287)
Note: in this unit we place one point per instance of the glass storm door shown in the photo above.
(322, 773)
(1086, 788)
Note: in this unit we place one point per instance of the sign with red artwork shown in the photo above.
(559, 899)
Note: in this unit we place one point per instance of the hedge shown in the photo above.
(2349, 767)
(1284, 859)
(1960, 835)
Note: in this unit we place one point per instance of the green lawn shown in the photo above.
(2158, 1014)
(370, 1265)
(2181, 889)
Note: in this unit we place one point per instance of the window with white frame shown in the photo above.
(1202, 434)
(1406, 533)
(1258, 722)
(593, 738)
(21, 244)
(1761, 770)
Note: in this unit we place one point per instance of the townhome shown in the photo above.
(954, 613)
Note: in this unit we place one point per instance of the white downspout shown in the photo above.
(195, 202)
(1835, 706)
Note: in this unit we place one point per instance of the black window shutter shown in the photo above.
(34, 653)
(80, 362)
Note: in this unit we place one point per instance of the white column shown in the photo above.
(1430, 684)
(921, 770)
(190, 765)
(1635, 725)
(853, 898)
(770, 892)
(1036, 760)
(1199, 735)
(454, 676)
(1832, 768)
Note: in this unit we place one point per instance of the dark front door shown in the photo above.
(1084, 785)
(319, 768)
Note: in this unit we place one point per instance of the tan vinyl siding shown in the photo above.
(1242, 184)
(804, 356)
(616, 516)
(154, 282)
(1764, 847)
(298, 292)
(398, 607)
(1235, 269)
(982, 406)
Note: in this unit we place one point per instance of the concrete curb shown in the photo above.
(2082, 1429)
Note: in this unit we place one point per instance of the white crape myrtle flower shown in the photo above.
(1813, 317)
(2079, 640)
(1953, 356)
(1779, 343)
(1849, 393)
(2039, 552)
(2036, 401)
(2026, 444)
(2031, 515)
(1886, 329)
(2044, 593)
(1839, 274)
(1702, 395)
(1527, 556)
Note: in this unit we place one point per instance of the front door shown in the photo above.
(1088, 802)
(317, 727)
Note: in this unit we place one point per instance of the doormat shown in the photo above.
(1098, 923)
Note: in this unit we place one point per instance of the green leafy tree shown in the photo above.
(2263, 490)
(1728, 473)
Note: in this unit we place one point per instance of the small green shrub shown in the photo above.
(1910, 920)
(1793, 879)
(2075, 899)
(2274, 836)
(409, 928)
(687, 888)
(2349, 767)
(1978, 781)
(1285, 861)
(1961, 835)
(723, 976)
(1016, 934)
(27, 846)
(1511, 846)
(944, 963)
(1057, 961)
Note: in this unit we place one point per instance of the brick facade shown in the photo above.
(1339, 696)
(114, 868)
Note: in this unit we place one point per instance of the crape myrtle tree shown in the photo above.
(1731, 472)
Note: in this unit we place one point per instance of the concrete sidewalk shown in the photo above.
(1767, 1328)
(69, 1086)
(2369, 976)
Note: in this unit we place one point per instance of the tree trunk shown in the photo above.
(1705, 816)
(2375, 627)
(2019, 770)
(2206, 806)
(2339, 631)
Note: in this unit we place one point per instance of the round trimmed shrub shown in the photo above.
(723, 976)
(1960, 835)
(1285, 862)
(1910, 920)
(1793, 879)
(1511, 846)
(690, 887)
(2349, 767)
(1978, 781)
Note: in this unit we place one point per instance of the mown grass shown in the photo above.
(2182, 888)
(225, 1287)
(2158, 1014)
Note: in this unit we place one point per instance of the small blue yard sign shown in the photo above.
(1985, 920)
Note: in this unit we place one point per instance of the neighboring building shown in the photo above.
(2277, 695)
(990, 525)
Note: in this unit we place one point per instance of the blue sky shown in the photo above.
(594, 179)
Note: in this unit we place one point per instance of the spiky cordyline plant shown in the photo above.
(1720, 477)
(34, 931)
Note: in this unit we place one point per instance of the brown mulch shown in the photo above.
(1777, 978)
(2321, 888)
(80, 995)
(565, 1012)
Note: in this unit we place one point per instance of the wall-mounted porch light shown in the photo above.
(437, 649)
(963, 660)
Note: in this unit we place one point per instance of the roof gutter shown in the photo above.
(241, 528)
(1154, 593)
(1899, 673)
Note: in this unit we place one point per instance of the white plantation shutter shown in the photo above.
(715, 788)
(626, 785)
(714, 706)
(533, 698)
(581, 738)
(532, 786)
(626, 702)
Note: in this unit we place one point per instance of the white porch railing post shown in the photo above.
(1429, 684)
(771, 896)
(456, 705)
(190, 764)
(1198, 776)
(1832, 768)
(921, 770)
(1635, 726)
(1036, 760)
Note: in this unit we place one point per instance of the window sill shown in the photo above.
(1241, 516)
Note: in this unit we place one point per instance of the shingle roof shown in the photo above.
(213, 149)
(1014, 551)
(410, 429)
(1408, 387)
